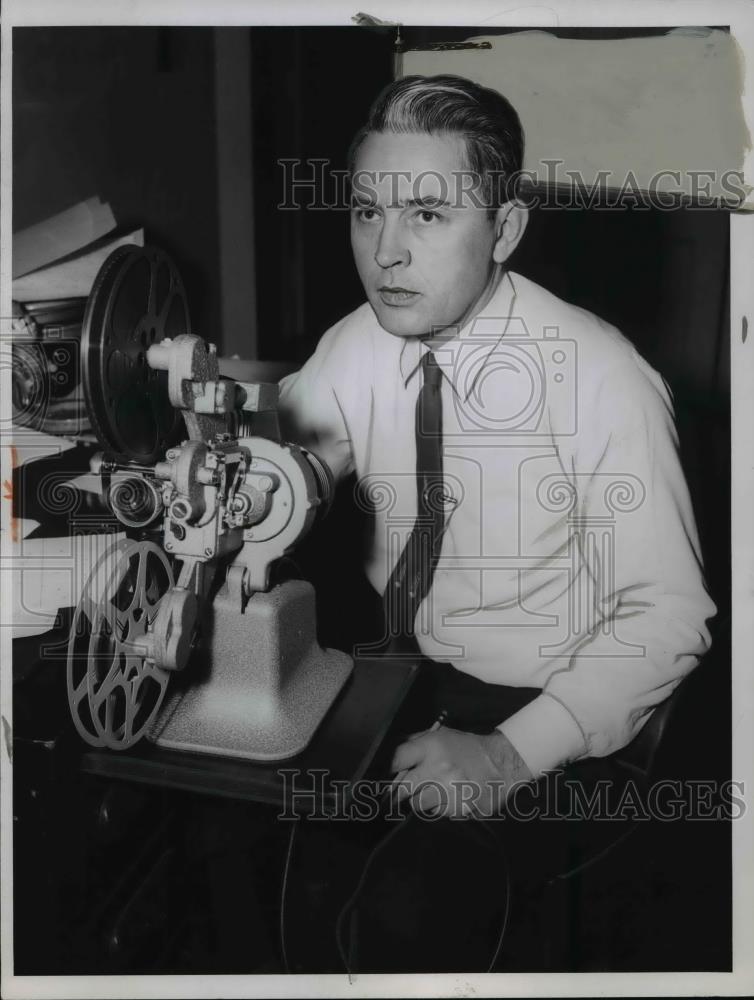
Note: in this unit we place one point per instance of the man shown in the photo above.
(555, 589)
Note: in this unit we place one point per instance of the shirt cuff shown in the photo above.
(545, 734)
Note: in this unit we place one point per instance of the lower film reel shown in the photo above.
(138, 299)
(114, 693)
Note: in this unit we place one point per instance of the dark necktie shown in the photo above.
(411, 579)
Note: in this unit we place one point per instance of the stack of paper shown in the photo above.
(60, 257)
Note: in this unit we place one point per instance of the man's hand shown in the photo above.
(456, 773)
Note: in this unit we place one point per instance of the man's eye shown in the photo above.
(366, 214)
(426, 216)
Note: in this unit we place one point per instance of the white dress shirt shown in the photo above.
(570, 560)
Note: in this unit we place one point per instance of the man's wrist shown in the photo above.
(506, 758)
(545, 735)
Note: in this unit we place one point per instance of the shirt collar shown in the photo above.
(480, 335)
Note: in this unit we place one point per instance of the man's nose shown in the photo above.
(392, 248)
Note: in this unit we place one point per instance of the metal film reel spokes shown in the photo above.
(114, 690)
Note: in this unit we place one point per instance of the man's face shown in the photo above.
(424, 254)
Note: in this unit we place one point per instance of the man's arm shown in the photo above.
(650, 602)
(311, 413)
(651, 605)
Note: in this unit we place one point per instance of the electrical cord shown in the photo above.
(283, 890)
(348, 906)
(380, 846)
(506, 912)
(562, 876)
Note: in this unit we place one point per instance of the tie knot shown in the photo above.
(431, 370)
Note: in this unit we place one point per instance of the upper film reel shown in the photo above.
(137, 300)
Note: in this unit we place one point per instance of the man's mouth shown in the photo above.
(394, 295)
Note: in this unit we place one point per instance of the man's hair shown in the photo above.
(488, 123)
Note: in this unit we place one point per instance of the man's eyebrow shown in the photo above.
(428, 202)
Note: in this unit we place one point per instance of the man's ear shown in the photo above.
(510, 223)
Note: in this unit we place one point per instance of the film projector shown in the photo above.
(212, 499)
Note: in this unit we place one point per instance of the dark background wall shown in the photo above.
(313, 88)
(126, 114)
